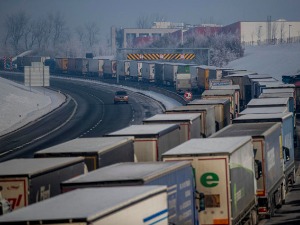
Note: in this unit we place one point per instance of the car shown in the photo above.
(121, 96)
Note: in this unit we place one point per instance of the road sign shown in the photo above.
(188, 95)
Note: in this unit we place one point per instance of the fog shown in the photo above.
(125, 14)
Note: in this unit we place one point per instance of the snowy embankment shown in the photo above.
(274, 60)
(21, 105)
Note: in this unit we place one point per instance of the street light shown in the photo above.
(289, 33)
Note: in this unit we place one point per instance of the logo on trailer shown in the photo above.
(188, 95)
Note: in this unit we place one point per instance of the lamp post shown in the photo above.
(289, 33)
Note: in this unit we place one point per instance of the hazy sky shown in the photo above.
(125, 13)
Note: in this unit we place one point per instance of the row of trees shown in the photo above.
(49, 35)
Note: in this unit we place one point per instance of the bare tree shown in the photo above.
(59, 28)
(143, 22)
(282, 31)
(16, 25)
(92, 34)
(259, 34)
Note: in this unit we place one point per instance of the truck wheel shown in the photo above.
(253, 217)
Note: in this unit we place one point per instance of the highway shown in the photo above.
(88, 112)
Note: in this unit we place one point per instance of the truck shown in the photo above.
(123, 69)
(228, 94)
(205, 74)
(190, 123)
(151, 140)
(88, 206)
(61, 65)
(185, 81)
(177, 176)
(110, 68)
(159, 73)
(97, 152)
(94, 67)
(81, 66)
(224, 171)
(266, 146)
(207, 117)
(148, 72)
(29, 180)
(222, 110)
(136, 70)
(287, 154)
(170, 72)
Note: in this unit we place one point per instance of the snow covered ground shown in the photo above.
(274, 60)
(20, 105)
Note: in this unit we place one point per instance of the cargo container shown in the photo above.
(97, 152)
(177, 176)
(94, 67)
(256, 83)
(205, 74)
(61, 65)
(151, 140)
(222, 110)
(81, 66)
(190, 123)
(90, 206)
(170, 71)
(236, 88)
(224, 172)
(267, 146)
(148, 72)
(272, 102)
(184, 81)
(159, 73)
(287, 154)
(243, 79)
(109, 68)
(136, 70)
(207, 117)
(123, 69)
(27, 181)
(228, 94)
(71, 66)
(264, 110)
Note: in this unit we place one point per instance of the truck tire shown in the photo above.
(253, 217)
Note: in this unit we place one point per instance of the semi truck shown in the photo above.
(224, 171)
(177, 176)
(91, 206)
(190, 123)
(29, 180)
(151, 140)
(97, 152)
(267, 146)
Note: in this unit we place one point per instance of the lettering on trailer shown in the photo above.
(158, 56)
(209, 180)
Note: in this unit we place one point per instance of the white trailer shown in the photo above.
(148, 72)
(97, 152)
(222, 110)
(136, 70)
(151, 140)
(190, 123)
(170, 72)
(267, 146)
(207, 117)
(27, 181)
(91, 206)
(95, 67)
(225, 173)
(123, 69)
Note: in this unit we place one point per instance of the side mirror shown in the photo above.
(201, 199)
(258, 169)
(286, 153)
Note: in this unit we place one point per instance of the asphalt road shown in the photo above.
(89, 112)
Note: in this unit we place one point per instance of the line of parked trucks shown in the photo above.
(225, 158)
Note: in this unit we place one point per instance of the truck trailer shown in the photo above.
(190, 123)
(207, 117)
(91, 206)
(177, 176)
(224, 172)
(151, 140)
(27, 181)
(267, 146)
(97, 152)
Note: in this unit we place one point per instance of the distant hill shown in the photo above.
(274, 60)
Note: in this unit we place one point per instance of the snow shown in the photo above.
(274, 60)
(19, 105)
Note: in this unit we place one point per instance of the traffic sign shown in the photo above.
(188, 95)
